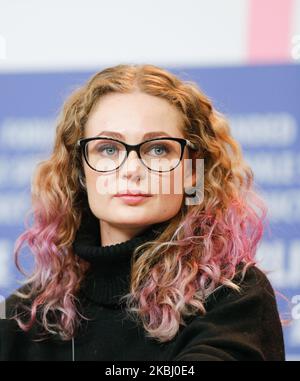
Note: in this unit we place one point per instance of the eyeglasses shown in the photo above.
(160, 154)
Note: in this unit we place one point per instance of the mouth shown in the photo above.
(133, 198)
(134, 193)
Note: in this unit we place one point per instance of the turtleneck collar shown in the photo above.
(108, 277)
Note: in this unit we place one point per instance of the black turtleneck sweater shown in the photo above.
(236, 326)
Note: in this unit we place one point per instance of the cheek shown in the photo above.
(171, 183)
(97, 186)
(99, 198)
(106, 184)
(170, 197)
(167, 205)
(102, 184)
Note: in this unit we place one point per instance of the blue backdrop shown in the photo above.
(262, 105)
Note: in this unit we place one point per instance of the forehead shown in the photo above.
(134, 115)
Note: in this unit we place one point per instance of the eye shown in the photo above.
(159, 149)
(109, 149)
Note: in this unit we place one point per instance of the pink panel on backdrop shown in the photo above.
(269, 30)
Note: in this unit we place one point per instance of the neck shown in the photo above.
(112, 234)
(109, 274)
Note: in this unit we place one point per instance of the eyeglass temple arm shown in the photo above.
(190, 144)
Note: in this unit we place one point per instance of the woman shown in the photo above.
(153, 277)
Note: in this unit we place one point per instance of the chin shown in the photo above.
(125, 217)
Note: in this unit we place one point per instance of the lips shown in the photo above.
(133, 194)
(133, 199)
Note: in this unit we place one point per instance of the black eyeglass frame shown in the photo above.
(134, 147)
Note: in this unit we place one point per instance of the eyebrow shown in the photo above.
(153, 134)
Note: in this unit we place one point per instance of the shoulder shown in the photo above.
(254, 277)
(14, 303)
(12, 306)
(11, 335)
(237, 325)
(254, 285)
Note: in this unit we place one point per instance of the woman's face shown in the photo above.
(134, 115)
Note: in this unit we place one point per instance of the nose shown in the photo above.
(132, 166)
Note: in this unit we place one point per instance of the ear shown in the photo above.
(81, 178)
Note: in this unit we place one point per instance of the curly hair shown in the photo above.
(200, 249)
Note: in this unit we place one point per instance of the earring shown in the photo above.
(188, 192)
